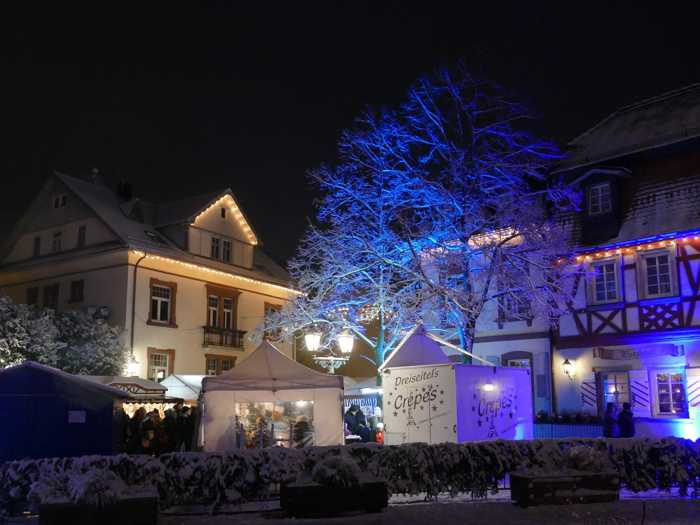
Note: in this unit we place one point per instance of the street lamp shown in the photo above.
(346, 341)
(312, 341)
(568, 367)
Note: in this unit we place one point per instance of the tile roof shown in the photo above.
(658, 121)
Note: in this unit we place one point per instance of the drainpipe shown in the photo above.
(552, 385)
(133, 303)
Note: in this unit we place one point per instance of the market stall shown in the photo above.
(428, 398)
(145, 393)
(269, 400)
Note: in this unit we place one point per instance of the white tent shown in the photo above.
(185, 387)
(268, 376)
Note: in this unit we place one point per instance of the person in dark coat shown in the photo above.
(625, 421)
(188, 417)
(609, 421)
(357, 423)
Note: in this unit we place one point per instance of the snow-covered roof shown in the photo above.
(145, 236)
(137, 382)
(662, 120)
(652, 207)
(269, 369)
(184, 386)
(81, 381)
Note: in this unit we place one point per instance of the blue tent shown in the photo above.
(45, 412)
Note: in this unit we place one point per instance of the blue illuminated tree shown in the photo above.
(440, 212)
(490, 235)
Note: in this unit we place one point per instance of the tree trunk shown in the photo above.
(379, 350)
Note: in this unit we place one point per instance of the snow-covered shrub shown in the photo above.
(337, 472)
(476, 468)
(95, 487)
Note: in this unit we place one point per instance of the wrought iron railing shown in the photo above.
(215, 336)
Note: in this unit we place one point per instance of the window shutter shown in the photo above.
(641, 393)
(589, 393)
(692, 389)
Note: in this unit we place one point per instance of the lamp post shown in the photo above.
(330, 361)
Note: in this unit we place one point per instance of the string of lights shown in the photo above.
(238, 215)
(214, 271)
(630, 247)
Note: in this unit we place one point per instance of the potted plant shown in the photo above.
(581, 475)
(333, 486)
(94, 496)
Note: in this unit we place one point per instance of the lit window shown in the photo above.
(158, 366)
(160, 303)
(270, 311)
(226, 252)
(614, 388)
(215, 247)
(657, 269)
(56, 242)
(599, 200)
(514, 305)
(213, 311)
(670, 393)
(605, 287)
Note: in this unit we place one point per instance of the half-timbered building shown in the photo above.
(633, 334)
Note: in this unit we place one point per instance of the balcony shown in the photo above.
(223, 337)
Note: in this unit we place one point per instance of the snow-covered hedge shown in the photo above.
(202, 478)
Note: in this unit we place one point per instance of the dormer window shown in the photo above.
(599, 200)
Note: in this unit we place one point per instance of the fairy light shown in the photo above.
(213, 271)
(636, 248)
(237, 214)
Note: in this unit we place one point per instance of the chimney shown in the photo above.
(125, 190)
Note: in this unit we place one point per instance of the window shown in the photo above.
(161, 364)
(228, 313)
(217, 364)
(32, 295)
(81, 236)
(162, 310)
(223, 213)
(514, 305)
(215, 247)
(60, 201)
(605, 282)
(669, 386)
(599, 201)
(37, 246)
(213, 311)
(658, 280)
(51, 296)
(56, 242)
(613, 387)
(226, 252)
(271, 309)
(76, 291)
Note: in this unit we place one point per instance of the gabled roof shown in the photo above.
(659, 121)
(416, 349)
(187, 210)
(269, 369)
(145, 236)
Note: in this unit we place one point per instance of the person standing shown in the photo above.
(609, 421)
(625, 421)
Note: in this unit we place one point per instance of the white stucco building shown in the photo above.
(187, 280)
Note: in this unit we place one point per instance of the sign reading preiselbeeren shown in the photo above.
(419, 404)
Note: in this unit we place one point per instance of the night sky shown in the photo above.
(181, 101)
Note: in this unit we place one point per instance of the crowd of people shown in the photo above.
(148, 433)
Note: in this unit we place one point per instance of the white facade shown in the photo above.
(181, 279)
